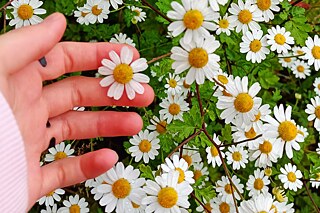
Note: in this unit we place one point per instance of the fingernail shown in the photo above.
(52, 143)
(48, 125)
(43, 61)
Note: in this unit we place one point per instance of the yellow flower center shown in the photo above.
(181, 175)
(121, 188)
(25, 11)
(145, 146)
(264, 4)
(268, 171)
(223, 23)
(236, 156)
(265, 147)
(243, 103)
(224, 207)
(83, 14)
(258, 184)
(167, 197)
(193, 19)
(185, 85)
(188, 159)
(223, 79)
(250, 134)
(257, 116)
(288, 60)
(174, 109)
(50, 194)
(95, 10)
(300, 68)
(197, 174)
(134, 205)
(75, 208)
(263, 212)
(287, 130)
(318, 176)
(123, 73)
(318, 86)
(198, 57)
(245, 16)
(214, 151)
(255, 45)
(60, 155)
(300, 52)
(161, 127)
(172, 83)
(136, 13)
(292, 176)
(280, 39)
(228, 189)
(316, 52)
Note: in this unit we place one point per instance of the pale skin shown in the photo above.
(21, 79)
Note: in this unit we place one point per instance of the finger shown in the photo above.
(82, 125)
(70, 171)
(63, 95)
(67, 57)
(33, 42)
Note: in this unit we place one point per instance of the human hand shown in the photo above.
(21, 77)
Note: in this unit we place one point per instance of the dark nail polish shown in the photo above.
(48, 125)
(52, 143)
(43, 61)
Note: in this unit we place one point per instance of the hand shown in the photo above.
(21, 77)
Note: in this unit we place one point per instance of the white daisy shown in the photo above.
(179, 165)
(185, 89)
(290, 177)
(97, 11)
(303, 131)
(243, 104)
(237, 156)
(283, 207)
(300, 69)
(298, 51)
(138, 14)
(214, 4)
(145, 145)
(173, 84)
(197, 57)
(81, 16)
(255, 45)
(212, 152)
(285, 128)
(135, 208)
(190, 154)
(98, 181)
(49, 209)
(245, 16)
(158, 125)
(266, 7)
(224, 26)
(193, 16)
(49, 198)
(222, 79)
(74, 204)
(114, 3)
(257, 123)
(123, 187)
(261, 203)
(286, 59)
(25, 12)
(174, 107)
(122, 38)
(225, 189)
(313, 110)
(312, 51)
(165, 194)
(315, 182)
(316, 85)
(279, 195)
(60, 151)
(199, 170)
(123, 74)
(279, 39)
(258, 183)
(206, 204)
(220, 206)
(241, 134)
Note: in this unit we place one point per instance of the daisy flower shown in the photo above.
(212, 152)
(122, 38)
(74, 204)
(286, 60)
(138, 14)
(158, 124)
(222, 79)
(266, 152)
(290, 177)
(81, 16)
(49, 209)
(179, 165)
(266, 7)
(197, 57)
(173, 84)
(174, 107)
(194, 17)
(279, 195)
(258, 183)
(312, 50)
(114, 3)
(214, 4)
(207, 204)
(185, 89)
(98, 181)
(237, 156)
(165, 194)
(241, 134)
(313, 110)
(279, 39)
(255, 45)
(220, 206)
(300, 69)
(25, 13)
(49, 198)
(303, 131)
(123, 188)
(298, 51)
(223, 25)
(199, 170)
(225, 189)
(282, 207)
(260, 203)
(190, 155)
(135, 208)
(97, 11)
(60, 151)
(242, 104)
(145, 146)
(315, 182)
(123, 74)
(285, 128)
(316, 85)
(245, 16)
(257, 123)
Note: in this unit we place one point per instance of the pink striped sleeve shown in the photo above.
(13, 168)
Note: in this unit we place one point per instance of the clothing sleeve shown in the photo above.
(13, 167)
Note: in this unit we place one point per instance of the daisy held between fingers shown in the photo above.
(60, 151)
(312, 50)
(123, 74)
(290, 177)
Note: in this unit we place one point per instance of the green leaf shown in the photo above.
(226, 134)
(267, 79)
(146, 172)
